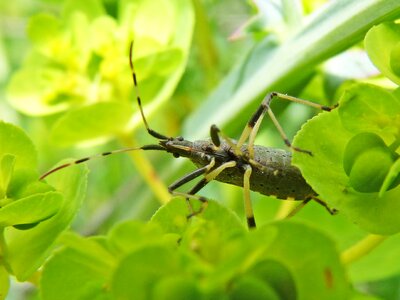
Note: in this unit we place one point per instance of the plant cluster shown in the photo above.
(76, 80)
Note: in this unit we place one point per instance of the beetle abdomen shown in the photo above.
(278, 177)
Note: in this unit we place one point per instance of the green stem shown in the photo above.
(361, 248)
(285, 209)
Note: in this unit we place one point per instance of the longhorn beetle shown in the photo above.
(262, 169)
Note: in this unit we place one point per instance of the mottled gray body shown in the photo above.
(274, 175)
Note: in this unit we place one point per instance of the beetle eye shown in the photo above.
(176, 155)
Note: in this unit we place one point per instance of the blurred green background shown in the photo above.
(230, 43)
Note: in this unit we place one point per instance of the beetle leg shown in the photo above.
(207, 178)
(332, 211)
(214, 173)
(192, 175)
(298, 208)
(216, 135)
(248, 208)
(210, 174)
(189, 177)
(251, 129)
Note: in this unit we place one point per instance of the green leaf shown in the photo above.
(30, 210)
(100, 120)
(163, 22)
(367, 177)
(15, 142)
(36, 206)
(326, 138)
(28, 249)
(365, 107)
(160, 64)
(225, 219)
(173, 217)
(176, 288)
(251, 287)
(382, 43)
(94, 247)
(41, 91)
(308, 253)
(25, 184)
(357, 145)
(44, 30)
(127, 236)
(18, 164)
(82, 277)
(277, 277)
(103, 30)
(367, 161)
(140, 270)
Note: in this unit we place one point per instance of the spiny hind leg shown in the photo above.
(332, 211)
(253, 125)
(294, 211)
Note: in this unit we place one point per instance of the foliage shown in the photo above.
(79, 63)
(32, 213)
(75, 82)
(357, 157)
(209, 257)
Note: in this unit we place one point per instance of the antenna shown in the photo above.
(139, 101)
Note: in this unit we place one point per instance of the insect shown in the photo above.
(255, 168)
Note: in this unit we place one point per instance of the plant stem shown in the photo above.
(285, 209)
(362, 248)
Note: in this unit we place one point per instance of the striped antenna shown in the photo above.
(85, 159)
(149, 130)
